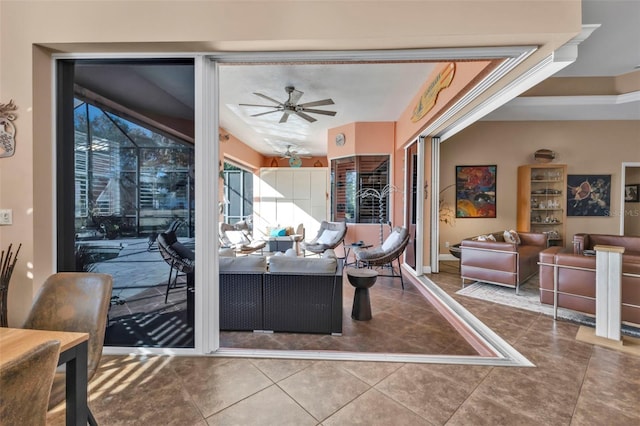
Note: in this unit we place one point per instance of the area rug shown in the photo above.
(529, 299)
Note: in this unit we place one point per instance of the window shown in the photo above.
(238, 193)
(129, 180)
(358, 189)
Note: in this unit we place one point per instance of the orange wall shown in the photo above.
(234, 149)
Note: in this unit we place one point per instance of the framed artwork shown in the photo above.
(588, 195)
(476, 191)
(631, 193)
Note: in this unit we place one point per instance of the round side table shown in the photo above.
(362, 280)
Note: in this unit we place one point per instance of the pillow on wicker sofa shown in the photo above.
(246, 264)
(302, 265)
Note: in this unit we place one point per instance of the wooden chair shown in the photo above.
(25, 385)
(384, 255)
(73, 301)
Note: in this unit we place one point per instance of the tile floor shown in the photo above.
(573, 383)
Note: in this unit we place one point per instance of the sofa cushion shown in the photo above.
(243, 264)
(302, 265)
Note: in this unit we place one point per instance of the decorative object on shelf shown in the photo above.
(295, 161)
(430, 95)
(318, 163)
(476, 191)
(380, 196)
(631, 193)
(588, 195)
(274, 162)
(7, 129)
(544, 156)
(7, 263)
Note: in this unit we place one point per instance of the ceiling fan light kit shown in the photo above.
(291, 106)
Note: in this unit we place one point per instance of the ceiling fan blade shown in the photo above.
(307, 117)
(264, 113)
(319, 111)
(295, 96)
(256, 105)
(317, 103)
(268, 98)
(284, 117)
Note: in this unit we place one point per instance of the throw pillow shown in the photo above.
(291, 253)
(392, 241)
(491, 237)
(278, 232)
(511, 236)
(327, 237)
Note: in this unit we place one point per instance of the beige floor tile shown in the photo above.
(373, 408)
(323, 388)
(370, 372)
(270, 406)
(593, 413)
(213, 385)
(426, 392)
(483, 410)
(279, 369)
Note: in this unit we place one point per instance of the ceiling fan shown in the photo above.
(291, 106)
(289, 153)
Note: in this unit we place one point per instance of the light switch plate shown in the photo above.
(6, 217)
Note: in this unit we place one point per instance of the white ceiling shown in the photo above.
(361, 92)
(367, 92)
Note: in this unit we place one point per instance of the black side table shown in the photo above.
(362, 280)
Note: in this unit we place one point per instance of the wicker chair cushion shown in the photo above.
(372, 253)
(182, 251)
(392, 241)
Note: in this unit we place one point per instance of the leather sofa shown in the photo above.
(501, 262)
(291, 294)
(577, 275)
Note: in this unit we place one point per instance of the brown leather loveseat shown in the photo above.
(500, 262)
(577, 275)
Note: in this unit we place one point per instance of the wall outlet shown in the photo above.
(6, 217)
(446, 244)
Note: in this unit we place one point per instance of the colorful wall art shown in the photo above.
(476, 191)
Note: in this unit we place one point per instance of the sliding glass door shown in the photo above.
(127, 176)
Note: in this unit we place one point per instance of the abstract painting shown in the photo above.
(476, 191)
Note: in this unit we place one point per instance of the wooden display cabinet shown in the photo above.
(542, 201)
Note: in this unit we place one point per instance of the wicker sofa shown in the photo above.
(501, 262)
(291, 294)
(576, 275)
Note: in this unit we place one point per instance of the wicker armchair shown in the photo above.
(329, 236)
(384, 255)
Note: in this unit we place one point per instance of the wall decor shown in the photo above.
(429, 97)
(631, 193)
(588, 195)
(7, 129)
(476, 191)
